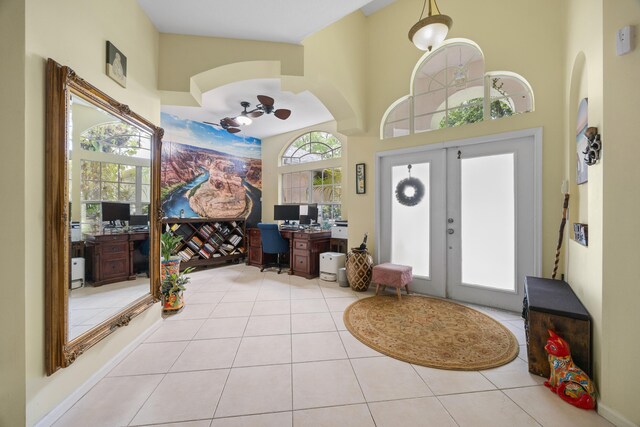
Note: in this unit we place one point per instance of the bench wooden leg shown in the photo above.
(377, 288)
(398, 290)
(406, 288)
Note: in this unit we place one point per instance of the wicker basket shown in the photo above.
(359, 266)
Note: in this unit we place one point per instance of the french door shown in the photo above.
(464, 217)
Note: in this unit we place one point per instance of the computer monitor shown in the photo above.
(311, 213)
(115, 211)
(139, 220)
(286, 212)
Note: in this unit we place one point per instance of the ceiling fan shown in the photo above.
(232, 124)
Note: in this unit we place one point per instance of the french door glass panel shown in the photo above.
(487, 215)
(410, 225)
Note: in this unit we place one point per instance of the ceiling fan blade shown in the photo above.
(265, 100)
(230, 122)
(255, 114)
(233, 130)
(214, 124)
(282, 114)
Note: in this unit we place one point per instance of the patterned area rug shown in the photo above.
(431, 332)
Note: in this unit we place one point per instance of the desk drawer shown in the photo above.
(301, 262)
(254, 237)
(114, 250)
(115, 268)
(301, 244)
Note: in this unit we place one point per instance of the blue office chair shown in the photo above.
(272, 243)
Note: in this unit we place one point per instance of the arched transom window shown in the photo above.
(450, 88)
(315, 184)
(312, 147)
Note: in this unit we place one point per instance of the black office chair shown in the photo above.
(273, 243)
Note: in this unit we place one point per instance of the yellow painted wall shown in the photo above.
(12, 187)
(338, 55)
(583, 77)
(182, 57)
(621, 204)
(509, 43)
(74, 33)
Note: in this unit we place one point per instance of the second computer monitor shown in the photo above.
(311, 213)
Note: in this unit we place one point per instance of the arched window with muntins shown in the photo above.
(321, 185)
(312, 147)
(450, 87)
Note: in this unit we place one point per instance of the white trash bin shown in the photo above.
(330, 263)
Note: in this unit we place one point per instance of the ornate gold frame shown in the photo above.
(61, 81)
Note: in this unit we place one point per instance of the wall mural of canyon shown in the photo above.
(207, 172)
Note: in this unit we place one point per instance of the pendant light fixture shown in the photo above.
(429, 32)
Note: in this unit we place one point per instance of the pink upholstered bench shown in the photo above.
(387, 274)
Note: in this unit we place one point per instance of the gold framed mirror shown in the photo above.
(102, 218)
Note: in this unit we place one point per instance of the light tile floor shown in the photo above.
(89, 305)
(269, 350)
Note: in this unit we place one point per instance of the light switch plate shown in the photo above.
(624, 39)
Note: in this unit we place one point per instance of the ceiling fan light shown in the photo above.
(243, 120)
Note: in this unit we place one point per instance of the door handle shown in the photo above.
(450, 230)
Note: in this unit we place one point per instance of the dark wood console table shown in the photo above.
(305, 248)
(551, 304)
(112, 257)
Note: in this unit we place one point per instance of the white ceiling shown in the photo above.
(287, 21)
(224, 101)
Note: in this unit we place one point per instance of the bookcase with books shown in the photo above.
(208, 241)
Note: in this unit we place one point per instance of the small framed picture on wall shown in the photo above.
(361, 185)
(116, 65)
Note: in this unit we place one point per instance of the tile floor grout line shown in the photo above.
(147, 399)
(523, 409)
(357, 380)
(226, 380)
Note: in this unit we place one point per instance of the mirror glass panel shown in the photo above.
(109, 190)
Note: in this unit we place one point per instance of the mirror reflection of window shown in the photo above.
(109, 162)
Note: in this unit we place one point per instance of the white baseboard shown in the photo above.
(70, 400)
(614, 417)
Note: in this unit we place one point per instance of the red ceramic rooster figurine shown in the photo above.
(567, 380)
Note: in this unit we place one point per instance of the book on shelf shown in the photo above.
(209, 247)
(192, 245)
(183, 231)
(184, 256)
(204, 254)
(196, 240)
(223, 252)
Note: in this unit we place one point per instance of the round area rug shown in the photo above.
(431, 332)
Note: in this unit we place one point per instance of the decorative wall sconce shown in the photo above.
(592, 153)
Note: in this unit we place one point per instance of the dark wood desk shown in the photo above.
(114, 257)
(305, 248)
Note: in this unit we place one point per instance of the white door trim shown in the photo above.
(536, 133)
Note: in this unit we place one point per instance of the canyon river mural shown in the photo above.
(207, 172)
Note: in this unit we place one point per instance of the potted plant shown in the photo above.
(170, 262)
(172, 287)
